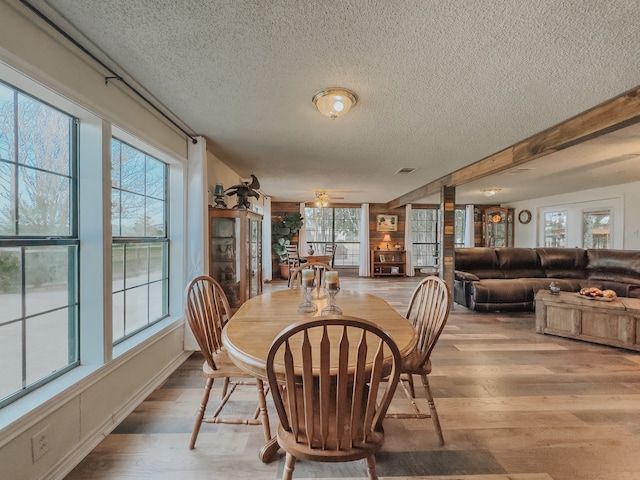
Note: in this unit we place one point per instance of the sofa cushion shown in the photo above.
(501, 291)
(565, 284)
(479, 261)
(502, 307)
(563, 262)
(519, 263)
(634, 292)
(621, 289)
(465, 276)
(616, 266)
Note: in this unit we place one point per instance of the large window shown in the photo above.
(425, 243)
(596, 228)
(38, 243)
(596, 223)
(334, 225)
(555, 229)
(424, 237)
(140, 242)
(460, 221)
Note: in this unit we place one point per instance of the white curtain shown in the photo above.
(408, 242)
(365, 266)
(197, 210)
(197, 221)
(469, 226)
(267, 271)
(302, 234)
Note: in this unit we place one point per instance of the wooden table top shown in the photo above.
(575, 299)
(248, 335)
(572, 298)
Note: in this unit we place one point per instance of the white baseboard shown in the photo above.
(66, 464)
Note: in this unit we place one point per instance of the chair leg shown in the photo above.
(200, 414)
(411, 388)
(371, 467)
(411, 397)
(264, 414)
(225, 386)
(289, 466)
(432, 407)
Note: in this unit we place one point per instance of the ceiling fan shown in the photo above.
(322, 199)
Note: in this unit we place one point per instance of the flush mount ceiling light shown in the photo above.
(322, 199)
(334, 102)
(490, 192)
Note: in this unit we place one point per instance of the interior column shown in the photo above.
(447, 233)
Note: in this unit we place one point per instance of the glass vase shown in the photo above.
(331, 308)
(307, 306)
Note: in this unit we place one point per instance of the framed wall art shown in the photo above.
(387, 223)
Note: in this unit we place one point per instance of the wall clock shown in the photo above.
(524, 216)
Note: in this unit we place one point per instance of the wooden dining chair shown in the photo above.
(428, 312)
(330, 250)
(293, 257)
(207, 312)
(295, 277)
(325, 377)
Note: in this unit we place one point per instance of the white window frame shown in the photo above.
(29, 241)
(94, 231)
(127, 242)
(436, 243)
(599, 210)
(176, 228)
(575, 212)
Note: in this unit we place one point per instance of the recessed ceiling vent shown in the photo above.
(405, 170)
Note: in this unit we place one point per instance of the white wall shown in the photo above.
(623, 200)
(220, 172)
(83, 406)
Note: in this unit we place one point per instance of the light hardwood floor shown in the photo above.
(514, 405)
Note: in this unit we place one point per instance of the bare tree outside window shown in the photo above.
(596, 229)
(555, 229)
(424, 236)
(140, 244)
(39, 247)
(340, 225)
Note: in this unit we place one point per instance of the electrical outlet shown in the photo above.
(40, 443)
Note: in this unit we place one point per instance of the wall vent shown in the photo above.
(405, 170)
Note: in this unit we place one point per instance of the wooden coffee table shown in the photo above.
(569, 315)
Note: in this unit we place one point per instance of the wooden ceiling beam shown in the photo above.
(619, 112)
(419, 193)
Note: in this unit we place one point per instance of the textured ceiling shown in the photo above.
(440, 85)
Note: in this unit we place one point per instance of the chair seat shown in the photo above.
(226, 368)
(411, 364)
(287, 442)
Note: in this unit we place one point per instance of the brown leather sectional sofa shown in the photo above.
(507, 279)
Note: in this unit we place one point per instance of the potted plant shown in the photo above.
(283, 229)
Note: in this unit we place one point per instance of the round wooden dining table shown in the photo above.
(250, 332)
(248, 335)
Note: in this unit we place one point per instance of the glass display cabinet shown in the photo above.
(235, 253)
(498, 227)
